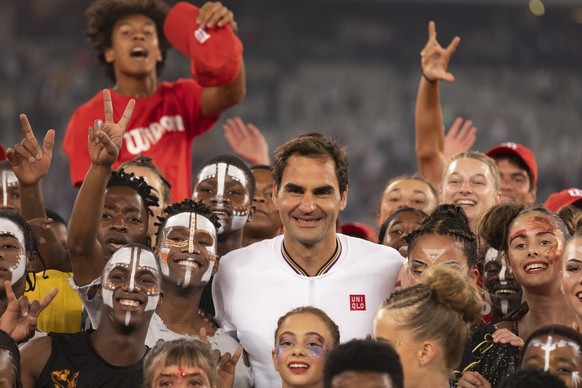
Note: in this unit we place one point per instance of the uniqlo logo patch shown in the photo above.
(358, 302)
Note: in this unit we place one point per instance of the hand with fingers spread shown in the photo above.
(28, 159)
(246, 141)
(19, 319)
(215, 14)
(460, 138)
(105, 138)
(435, 59)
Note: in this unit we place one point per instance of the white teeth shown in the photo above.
(298, 366)
(188, 263)
(506, 291)
(129, 303)
(465, 202)
(535, 266)
(579, 295)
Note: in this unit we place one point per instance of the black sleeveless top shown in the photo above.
(74, 363)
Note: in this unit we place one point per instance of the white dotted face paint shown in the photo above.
(15, 257)
(133, 269)
(433, 254)
(220, 172)
(186, 232)
(8, 179)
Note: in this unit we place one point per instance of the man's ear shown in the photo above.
(216, 263)
(344, 199)
(109, 55)
(275, 196)
(252, 210)
(160, 298)
(33, 262)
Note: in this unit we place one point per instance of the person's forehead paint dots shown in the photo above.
(10, 229)
(8, 179)
(133, 260)
(193, 223)
(220, 171)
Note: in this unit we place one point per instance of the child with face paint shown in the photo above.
(534, 239)
(227, 186)
(187, 256)
(303, 339)
(555, 349)
(111, 355)
(111, 209)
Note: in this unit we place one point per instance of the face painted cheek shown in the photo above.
(208, 272)
(107, 296)
(152, 302)
(502, 273)
(316, 351)
(164, 253)
(18, 269)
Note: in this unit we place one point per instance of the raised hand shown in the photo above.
(105, 138)
(246, 141)
(19, 319)
(215, 14)
(28, 159)
(460, 138)
(226, 365)
(435, 59)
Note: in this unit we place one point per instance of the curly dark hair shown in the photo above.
(137, 183)
(186, 206)
(147, 162)
(101, 17)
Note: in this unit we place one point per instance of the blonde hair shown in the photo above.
(179, 352)
(480, 156)
(441, 308)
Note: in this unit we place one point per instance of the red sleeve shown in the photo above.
(190, 91)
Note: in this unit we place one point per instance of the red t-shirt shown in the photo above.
(163, 127)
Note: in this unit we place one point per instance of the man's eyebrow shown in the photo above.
(292, 186)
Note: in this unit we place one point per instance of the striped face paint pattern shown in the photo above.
(220, 171)
(132, 260)
(18, 269)
(194, 223)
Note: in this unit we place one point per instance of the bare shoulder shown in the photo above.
(33, 357)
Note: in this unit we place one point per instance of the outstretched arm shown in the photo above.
(216, 100)
(428, 115)
(86, 253)
(247, 142)
(31, 163)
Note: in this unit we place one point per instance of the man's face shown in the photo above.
(503, 290)
(188, 249)
(515, 184)
(124, 219)
(309, 200)
(131, 284)
(224, 188)
(9, 190)
(134, 47)
(266, 220)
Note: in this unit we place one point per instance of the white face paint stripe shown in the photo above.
(8, 178)
(549, 346)
(201, 223)
(433, 254)
(192, 233)
(18, 270)
(504, 306)
(133, 263)
(220, 181)
(502, 273)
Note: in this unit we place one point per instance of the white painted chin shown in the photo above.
(222, 226)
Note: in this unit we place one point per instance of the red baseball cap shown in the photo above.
(519, 150)
(2, 153)
(357, 229)
(215, 53)
(564, 198)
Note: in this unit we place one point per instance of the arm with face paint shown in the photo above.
(430, 138)
(86, 253)
(30, 163)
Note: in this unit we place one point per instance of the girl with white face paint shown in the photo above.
(556, 349)
(186, 245)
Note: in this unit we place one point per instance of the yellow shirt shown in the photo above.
(63, 315)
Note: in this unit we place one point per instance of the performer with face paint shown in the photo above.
(187, 256)
(303, 339)
(18, 254)
(502, 291)
(227, 186)
(556, 349)
(112, 355)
